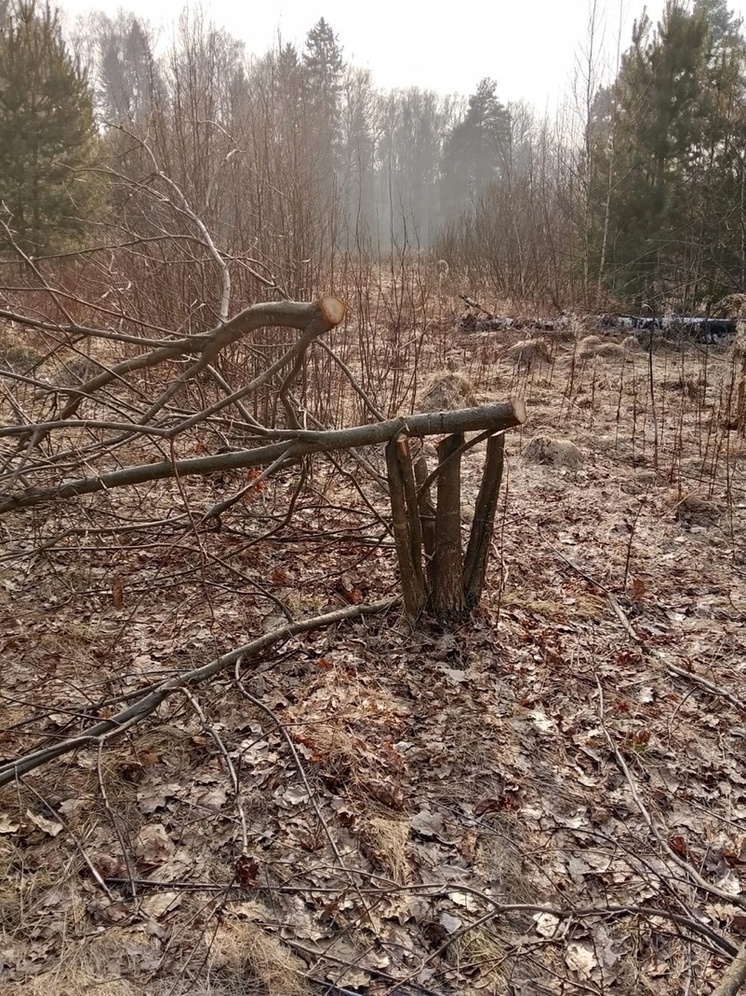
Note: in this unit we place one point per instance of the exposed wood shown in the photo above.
(314, 319)
(427, 514)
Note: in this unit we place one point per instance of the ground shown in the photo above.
(549, 799)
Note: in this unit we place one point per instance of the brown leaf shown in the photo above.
(247, 871)
(390, 795)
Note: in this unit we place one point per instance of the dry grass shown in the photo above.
(529, 354)
(447, 391)
(553, 452)
(388, 844)
(242, 952)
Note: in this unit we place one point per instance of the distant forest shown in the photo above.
(298, 162)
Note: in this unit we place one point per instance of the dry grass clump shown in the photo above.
(588, 345)
(630, 343)
(731, 306)
(554, 452)
(594, 345)
(690, 387)
(75, 982)
(446, 392)
(17, 355)
(76, 371)
(611, 351)
(242, 949)
(691, 510)
(483, 952)
(386, 841)
(529, 353)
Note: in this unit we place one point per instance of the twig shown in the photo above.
(708, 685)
(734, 976)
(692, 873)
(306, 784)
(212, 732)
(153, 697)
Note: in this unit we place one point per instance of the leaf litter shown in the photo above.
(451, 817)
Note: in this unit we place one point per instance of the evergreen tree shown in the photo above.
(47, 133)
(130, 83)
(668, 164)
(475, 151)
(324, 65)
(323, 68)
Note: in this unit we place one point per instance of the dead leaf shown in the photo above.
(49, 827)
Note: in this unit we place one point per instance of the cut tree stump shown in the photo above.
(450, 584)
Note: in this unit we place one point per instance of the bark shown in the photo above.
(406, 525)
(477, 552)
(294, 445)
(314, 319)
(447, 600)
(734, 977)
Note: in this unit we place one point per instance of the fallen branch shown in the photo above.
(295, 444)
(709, 686)
(155, 694)
(734, 977)
(314, 319)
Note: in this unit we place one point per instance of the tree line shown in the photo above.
(296, 164)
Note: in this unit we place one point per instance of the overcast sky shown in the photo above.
(530, 47)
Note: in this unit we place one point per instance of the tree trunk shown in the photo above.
(447, 597)
(406, 524)
(475, 564)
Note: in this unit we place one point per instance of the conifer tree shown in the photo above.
(669, 169)
(475, 150)
(47, 134)
(323, 64)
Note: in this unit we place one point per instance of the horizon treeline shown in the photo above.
(296, 164)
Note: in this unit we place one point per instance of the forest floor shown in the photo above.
(550, 799)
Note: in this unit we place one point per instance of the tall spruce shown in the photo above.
(323, 68)
(130, 83)
(47, 134)
(324, 65)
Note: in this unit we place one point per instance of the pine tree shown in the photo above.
(130, 84)
(669, 171)
(475, 150)
(47, 134)
(323, 67)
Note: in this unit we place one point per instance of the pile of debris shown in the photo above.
(478, 319)
(700, 328)
(719, 326)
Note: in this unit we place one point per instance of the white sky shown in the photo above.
(530, 47)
